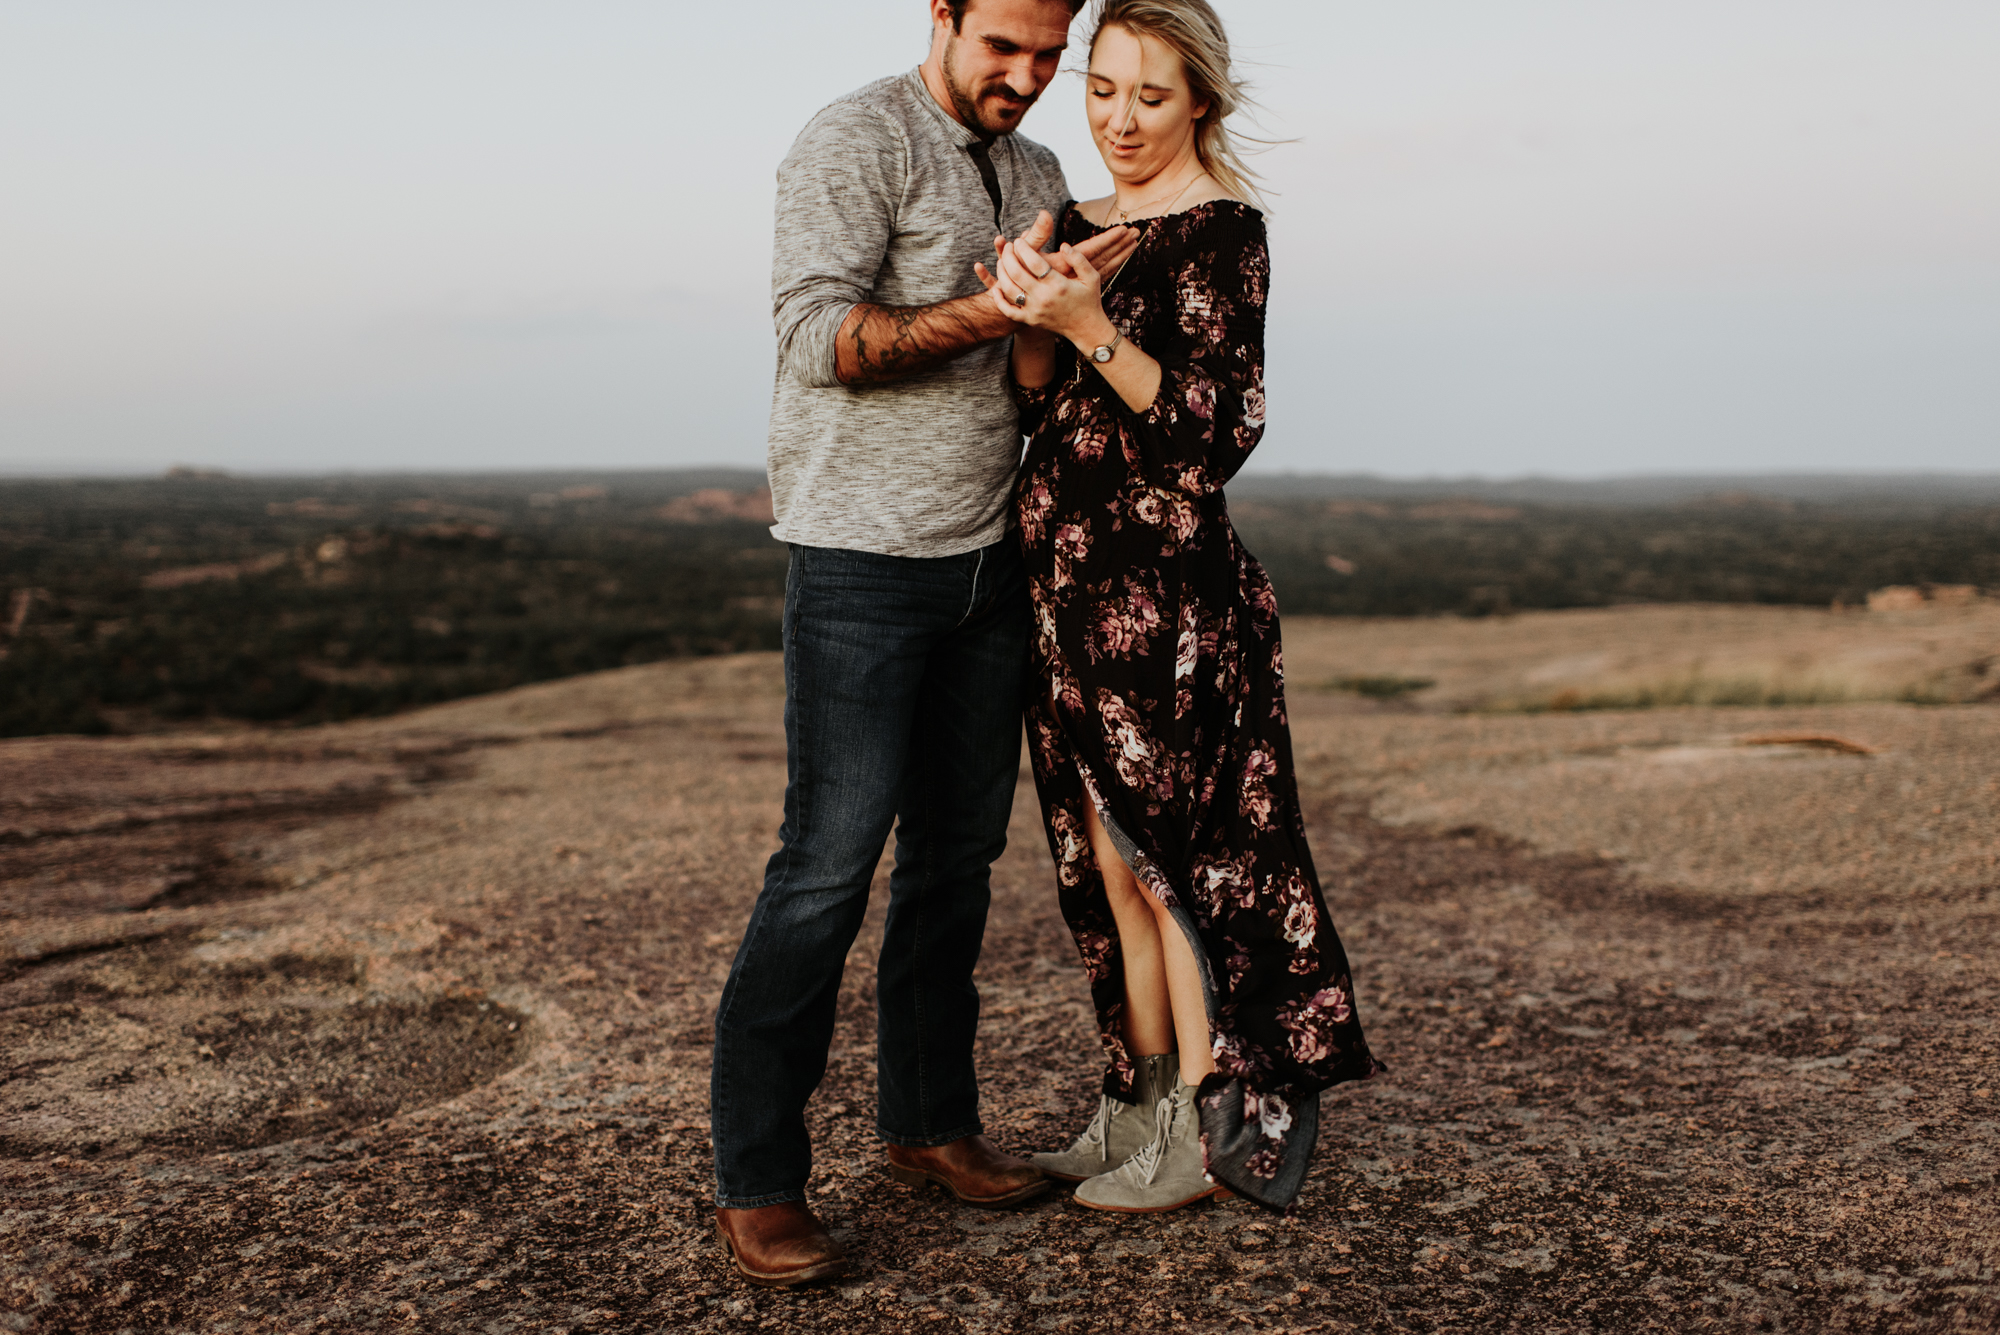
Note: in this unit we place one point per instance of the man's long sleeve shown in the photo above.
(838, 193)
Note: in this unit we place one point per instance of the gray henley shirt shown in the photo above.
(878, 201)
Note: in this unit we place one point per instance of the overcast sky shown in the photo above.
(1543, 236)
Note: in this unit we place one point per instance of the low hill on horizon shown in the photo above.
(1627, 489)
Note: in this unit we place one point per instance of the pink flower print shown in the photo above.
(1123, 628)
(1072, 545)
(1167, 510)
(1047, 647)
(1087, 442)
(1262, 596)
(1231, 1055)
(1068, 694)
(1253, 409)
(1122, 1068)
(1301, 916)
(1207, 798)
(1145, 614)
(1134, 754)
(1071, 846)
(1160, 887)
(1037, 501)
(1335, 1002)
(1255, 798)
(1200, 397)
(1204, 314)
(1239, 969)
(1047, 739)
(1095, 949)
(1270, 1114)
(1265, 1163)
(1228, 881)
(1112, 633)
(1311, 1023)
(1301, 924)
(1256, 271)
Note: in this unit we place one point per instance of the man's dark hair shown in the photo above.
(958, 8)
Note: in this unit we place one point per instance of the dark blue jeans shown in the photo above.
(903, 689)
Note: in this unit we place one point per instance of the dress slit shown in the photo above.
(1147, 870)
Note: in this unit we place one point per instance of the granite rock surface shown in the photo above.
(403, 1025)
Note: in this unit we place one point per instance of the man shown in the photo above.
(893, 448)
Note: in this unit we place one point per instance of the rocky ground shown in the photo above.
(403, 1025)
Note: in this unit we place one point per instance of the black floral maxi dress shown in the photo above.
(1157, 634)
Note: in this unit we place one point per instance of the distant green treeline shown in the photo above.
(130, 602)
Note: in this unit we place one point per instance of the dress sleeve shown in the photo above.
(1209, 412)
(1034, 403)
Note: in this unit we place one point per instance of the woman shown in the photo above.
(1160, 748)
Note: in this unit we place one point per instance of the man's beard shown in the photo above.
(967, 107)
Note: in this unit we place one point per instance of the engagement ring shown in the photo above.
(1020, 298)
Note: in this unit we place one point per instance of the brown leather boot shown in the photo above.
(971, 1169)
(779, 1246)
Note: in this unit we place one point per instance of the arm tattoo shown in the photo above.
(882, 343)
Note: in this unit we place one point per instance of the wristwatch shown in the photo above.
(1102, 352)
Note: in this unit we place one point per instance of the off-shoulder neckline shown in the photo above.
(1250, 209)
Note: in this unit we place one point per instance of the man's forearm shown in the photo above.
(882, 343)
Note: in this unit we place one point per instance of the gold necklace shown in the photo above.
(1125, 215)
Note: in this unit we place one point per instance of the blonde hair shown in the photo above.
(1193, 31)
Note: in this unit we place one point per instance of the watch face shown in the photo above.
(1101, 354)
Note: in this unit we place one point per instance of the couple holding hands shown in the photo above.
(943, 585)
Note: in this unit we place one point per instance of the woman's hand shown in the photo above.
(1033, 360)
(1101, 255)
(1005, 296)
(1061, 293)
(1056, 295)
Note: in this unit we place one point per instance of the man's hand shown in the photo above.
(1106, 253)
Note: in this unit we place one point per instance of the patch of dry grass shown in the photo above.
(1773, 685)
(1657, 657)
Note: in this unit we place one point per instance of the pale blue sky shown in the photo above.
(1546, 236)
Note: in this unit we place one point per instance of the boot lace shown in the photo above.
(1097, 1136)
(1146, 1163)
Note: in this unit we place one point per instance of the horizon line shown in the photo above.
(211, 473)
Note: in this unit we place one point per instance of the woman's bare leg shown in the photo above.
(1149, 1013)
(1164, 1008)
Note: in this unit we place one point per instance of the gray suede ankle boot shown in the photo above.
(1120, 1130)
(1166, 1173)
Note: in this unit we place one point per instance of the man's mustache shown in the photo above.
(1010, 97)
